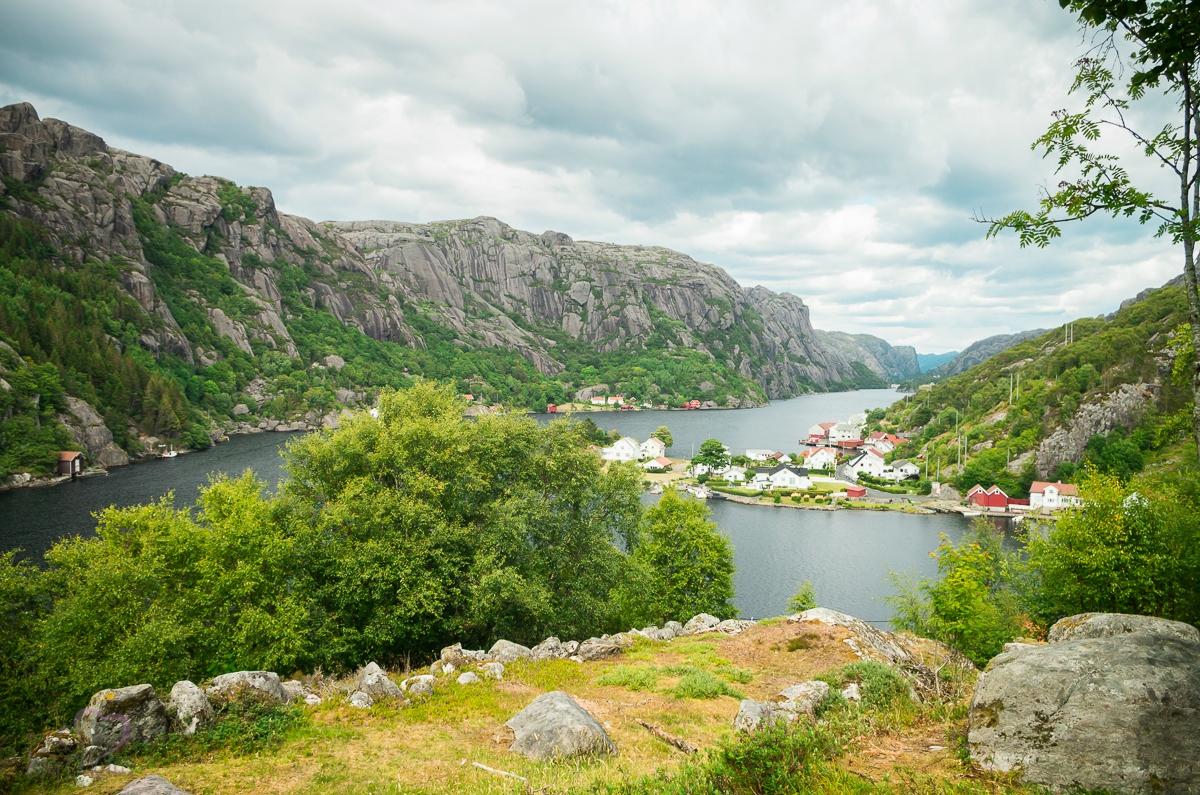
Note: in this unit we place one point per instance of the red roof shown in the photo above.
(856, 491)
(663, 461)
(826, 425)
(69, 455)
(1065, 489)
(874, 452)
(850, 443)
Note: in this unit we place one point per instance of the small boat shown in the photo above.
(168, 453)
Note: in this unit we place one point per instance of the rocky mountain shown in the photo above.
(931, 361)
(983, 349)
(181, 308)
(893, 363)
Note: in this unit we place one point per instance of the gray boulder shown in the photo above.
(152, 785)
(1103, 625)
(492, 670)
(598, 648)
(754, 715)
(674, 626)
(374, 681)
(360, 700)
(1117, 712)
(294, 690)
(421, 685)
(701, 622)
(553, 726)
(733, 626)
(507, 651)
(189, 707)
(239, 685)
(803, 698)
(549, 649)
(468, 678)
(114, 718)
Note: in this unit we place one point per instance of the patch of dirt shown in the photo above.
(924, 749)
(783, 654)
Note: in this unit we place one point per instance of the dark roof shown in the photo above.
(772, 470)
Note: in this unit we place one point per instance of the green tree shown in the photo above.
(805, 598)
(973, 605)
(1142, 52)
(686, 565)
(713, 454)
(663, 433)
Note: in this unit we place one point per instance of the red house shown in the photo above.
(551, 408)
(692, 404)
(856, 492)
(992, 498)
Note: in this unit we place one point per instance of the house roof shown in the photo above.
(663, 461)
(801, 471)
(826, 425)
(902, 462)
(1065, 489)
(69, 455)
(811, 451)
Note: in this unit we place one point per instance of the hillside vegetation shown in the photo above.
(1114, 395)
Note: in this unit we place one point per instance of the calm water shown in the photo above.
(846, 554)
(780, 425)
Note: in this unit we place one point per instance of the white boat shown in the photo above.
(168, 453)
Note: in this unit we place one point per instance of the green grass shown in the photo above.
(698, 683)
(239, 730)
(631, 677)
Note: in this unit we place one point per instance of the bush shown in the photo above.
(880, 686)
(697, 683)
(805, 598)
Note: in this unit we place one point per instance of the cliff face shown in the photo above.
(474, 284)
(983, 349)
(885, 360)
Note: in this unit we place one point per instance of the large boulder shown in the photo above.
(553, 649)
(701, 622)
(506, 651)
(1103, 625)
(598, 648)
(263, 685)
(152, 785)
(804, 697)
(114, 718)
(374, 681)
(553, 726)
(189, 707)
(754, 715)
(1109, 712)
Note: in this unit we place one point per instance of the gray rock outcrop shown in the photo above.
(1104, 625)
(152, 785)
(804, 697)
(754, 715)
(1112, 707)
(554, 726)
(1121, 408)
(506, 651)
(189, 707)
(114, 718)
(89, 431)
(246, 685)
(374, 681)
(701, 622)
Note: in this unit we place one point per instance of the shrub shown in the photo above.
(805, 598)
(697, 683)
(632, 677)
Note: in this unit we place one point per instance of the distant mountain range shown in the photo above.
(930, 361)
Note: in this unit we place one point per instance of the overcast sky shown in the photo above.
(833, 150)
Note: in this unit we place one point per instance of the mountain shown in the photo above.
(931, 361)
(1115, 395)
(140, 306)
(982, 349)
(890, 363)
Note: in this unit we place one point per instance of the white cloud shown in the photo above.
(837, 151)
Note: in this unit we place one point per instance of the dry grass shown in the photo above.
(429, 746)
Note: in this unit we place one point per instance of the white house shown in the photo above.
(782, 476)
(1053, 496)
(657, 464)
(906, 470)
(842, 431)
(819, 457)
(734, 474)
(821, 429)
(755, 454)
(871, 462)
(624, 449)
(652, 448)
(696, 470)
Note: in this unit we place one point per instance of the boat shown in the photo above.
(168, 453)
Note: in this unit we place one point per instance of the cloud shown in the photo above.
(835, 151)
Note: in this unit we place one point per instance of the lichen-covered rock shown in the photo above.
(701, 622)
(1116, 712)
(754, 715)
(294, 690)
(189, 707)
(733, 626)
(115, 718)
(244, 685)
(374, 681)
(1103, 625)
(804, 697)
(1121, 408)
(598, 649)
(553, 649)
(50, 757)
(420, 685)
(152, 785)
(554, 726)
(468, 678)
(506, 651)
(360, 700)
(492, 670)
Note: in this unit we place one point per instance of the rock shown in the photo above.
(554, 726)
(90, 432)
(507, 651)
(1104, 625)
(753, 715)
(421, 685)
(294, 690)
(674, 626)
(851, 692)
(240, 410)
(597, 649)
(804, 697)
(1018, 645)
(733, 626)
(45, 766)
(553, 649)
(493, 670)
(19, 479)
(334, 362)
(152, 785)
(114, 718)
(189, 707)
(375, 682)
(1112, 712)
(92, 755)
(312, 699)
(1121, 408)
(83, 780)
(360, 700)
(468, 678)
(701, 622)
(241, 685)
(58, 743)
(113, 770)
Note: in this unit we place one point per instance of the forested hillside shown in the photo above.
(143, 307)
(1112, 392)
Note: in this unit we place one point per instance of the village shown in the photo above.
(837, 465)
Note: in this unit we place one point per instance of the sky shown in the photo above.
(837, 151)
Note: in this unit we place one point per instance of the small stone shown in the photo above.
(117, 770)
(468, 678)
(360, 700)
(375, 682)
(294, 690)
(83, 780)
(851, 692)
(753, 715)
(312, 699)
(493, 670)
